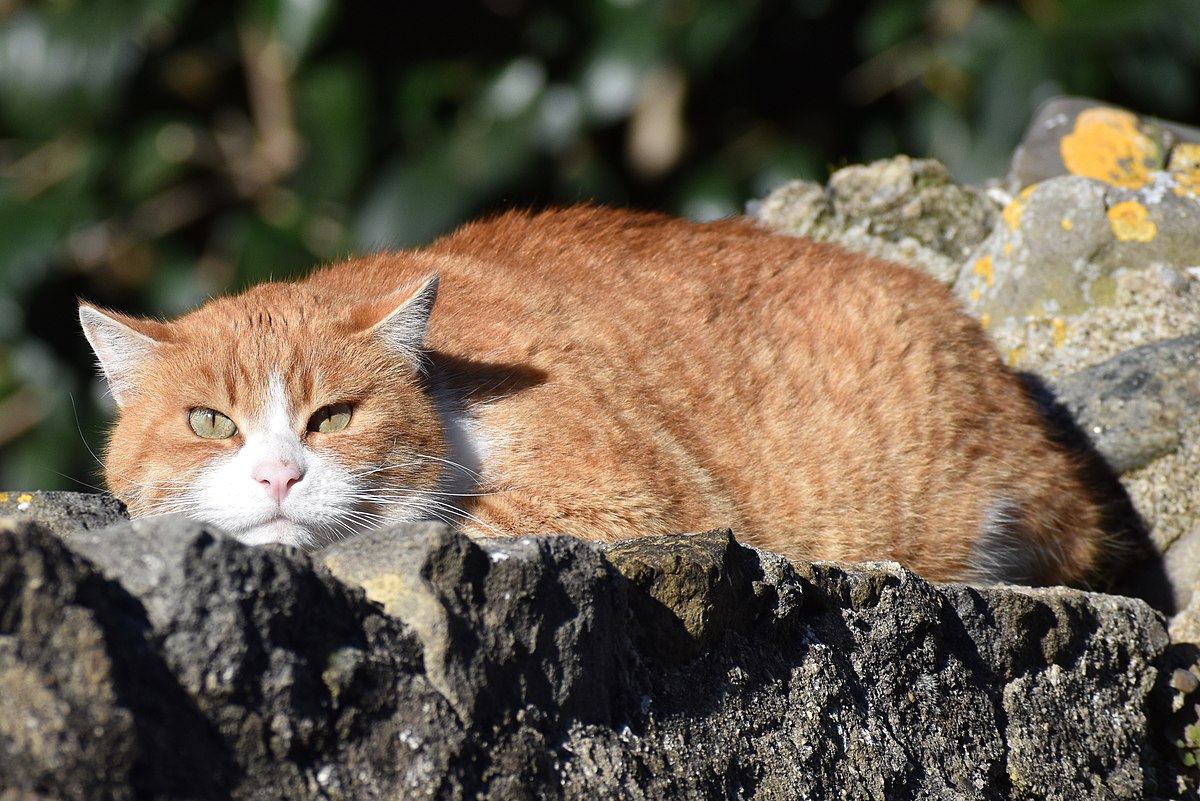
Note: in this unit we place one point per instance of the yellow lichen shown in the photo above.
(1012, 214)
(1066, 224)
(1014, 356)
(1007, 248)
(975, 295)
(1185, 169)
(1058, 332)
(984, 320)
(1185, 157)
(1131, 222)
(983, 268)
(1107, 145)
(24, 497)
(3, 497)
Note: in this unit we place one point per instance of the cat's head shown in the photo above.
(280, 415)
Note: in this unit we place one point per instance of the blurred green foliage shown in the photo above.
(155, 153)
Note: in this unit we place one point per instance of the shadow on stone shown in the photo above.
(1134, 567)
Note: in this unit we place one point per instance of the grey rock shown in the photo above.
(1134, 406)
(528, 668)
(90, 709)
(691, 590)
(255, 677)
(64, 513)
(1182, 563)
(904, 209)
(453, 592)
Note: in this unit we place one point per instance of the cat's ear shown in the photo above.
(120, 349)
(404, 317)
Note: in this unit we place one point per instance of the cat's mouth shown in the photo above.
(278, 529)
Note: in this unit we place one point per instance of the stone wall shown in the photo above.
(158, 659)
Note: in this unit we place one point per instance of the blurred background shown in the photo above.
(156, 152)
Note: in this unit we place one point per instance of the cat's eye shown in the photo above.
(211, 424)
(329, 419)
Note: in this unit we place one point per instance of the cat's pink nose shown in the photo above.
(277, 478)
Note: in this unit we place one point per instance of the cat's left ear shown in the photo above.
(406, 318)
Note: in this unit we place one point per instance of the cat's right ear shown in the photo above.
(120, 349)
(403, 318)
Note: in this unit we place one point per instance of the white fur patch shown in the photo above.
(466, 447)
(460, 468)
(1003, 552)
(231, 498)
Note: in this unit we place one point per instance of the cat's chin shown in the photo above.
(280, 530)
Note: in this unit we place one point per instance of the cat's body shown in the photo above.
(608, 375)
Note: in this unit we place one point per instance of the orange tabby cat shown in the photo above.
(604, 374)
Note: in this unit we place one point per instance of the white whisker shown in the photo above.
(437, 493)
(450, 463)
(79, 482)
(447, 513)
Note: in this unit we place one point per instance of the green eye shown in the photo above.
(329, 419)
(211, 424)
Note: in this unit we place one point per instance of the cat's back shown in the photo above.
(587, 272)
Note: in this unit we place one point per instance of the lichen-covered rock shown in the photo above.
(904, 209)
(1080, 136)
(1079, 270)
(164, 661)
(1096, 252)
